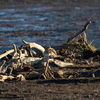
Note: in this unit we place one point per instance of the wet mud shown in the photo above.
(50, 23)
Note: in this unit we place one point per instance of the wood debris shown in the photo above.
(21, 64)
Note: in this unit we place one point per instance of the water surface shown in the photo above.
(48, 24)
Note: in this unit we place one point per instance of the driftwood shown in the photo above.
(6, 53)
(20, 77)
(83, 30)
(62, 64)
(35, 45)
(2, 71)
(86, 43)
(5, 77)
(21, 59)
(24, 64)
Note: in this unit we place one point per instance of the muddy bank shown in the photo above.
(50, 23)
(51, 90)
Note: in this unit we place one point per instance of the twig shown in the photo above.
(27, 65)
(88, 45)
(4, 61)
(51, 74)
(15, 51)
(84, 29)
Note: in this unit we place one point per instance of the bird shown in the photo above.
(51, 51)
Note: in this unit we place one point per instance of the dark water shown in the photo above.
(48, 24)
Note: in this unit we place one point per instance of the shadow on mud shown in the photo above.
(67, 81)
